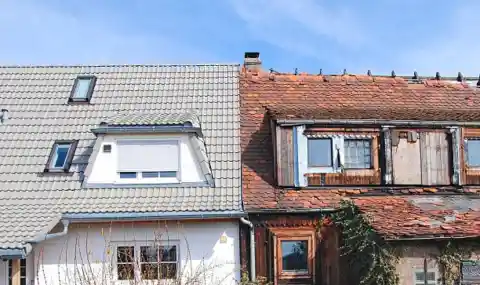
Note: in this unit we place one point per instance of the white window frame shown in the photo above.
(418, 270)
(337, 142)
(137, 271)
(156, 180)
(467, 150)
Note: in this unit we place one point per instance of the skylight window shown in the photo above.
(83, 89)
(61, 156)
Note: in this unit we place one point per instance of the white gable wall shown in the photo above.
(104, 168)
(210, 248)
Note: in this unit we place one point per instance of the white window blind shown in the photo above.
(148, 155)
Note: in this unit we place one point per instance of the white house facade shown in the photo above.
(120, 175)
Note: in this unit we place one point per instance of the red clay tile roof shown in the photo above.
(260, 89)
(416, 216)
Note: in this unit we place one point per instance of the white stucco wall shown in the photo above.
(208, 249)
(104, 167)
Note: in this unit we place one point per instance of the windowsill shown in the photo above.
(287, 275)
(147, 181)
(55, 173)
(146, 185)
(147, 282)
(323, 169)
(78, 102)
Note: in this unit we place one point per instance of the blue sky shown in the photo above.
(404, 35)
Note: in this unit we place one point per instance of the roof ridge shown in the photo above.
(362, 75)
(116, 65)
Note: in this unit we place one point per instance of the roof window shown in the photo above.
(82, 89)
(61, 156)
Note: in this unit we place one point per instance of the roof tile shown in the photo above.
(36, 98)
(454, 216)
(341, 97)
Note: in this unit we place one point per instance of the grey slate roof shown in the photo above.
(142, 119)
(31, 202)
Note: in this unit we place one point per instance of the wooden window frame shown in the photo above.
(370, 140)
(91, 87)
(302, 234)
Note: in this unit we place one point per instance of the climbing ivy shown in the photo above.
(450, 258)
(371, 259)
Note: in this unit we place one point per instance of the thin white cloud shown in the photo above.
(451, 50)
(39, 33)
(301, 26)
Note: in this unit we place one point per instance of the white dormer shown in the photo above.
(150, 150)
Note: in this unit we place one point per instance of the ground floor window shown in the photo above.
(423, 277)
(147, 261)
(295, 250)
(23, 272)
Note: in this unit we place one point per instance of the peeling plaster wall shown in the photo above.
(413, 258)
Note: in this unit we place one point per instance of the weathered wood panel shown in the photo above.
(354, 177)
(261, 252)
(435, 158)
(472, 176)
(471, 132)
(406, 162)
(285, 156)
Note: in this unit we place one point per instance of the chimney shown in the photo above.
(252, 61)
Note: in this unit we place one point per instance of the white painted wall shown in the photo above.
(208, 247)
(104, 168)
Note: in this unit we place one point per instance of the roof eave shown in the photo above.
(152, 216)
(425, 238)
(146, 129)
(13, 253)
(293, 122)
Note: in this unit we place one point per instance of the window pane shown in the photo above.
(357, 153)
(431, 276)
(319, 152)
(473, 152)
(149, 174)
(81, 89)
(125, 271)
(420, 277)
(125, 254)
(149, 271)
(148, 254)
(168, 174)
(128, 175)
(294, 256)
(168, 253)
(60, 155)
(168, 270)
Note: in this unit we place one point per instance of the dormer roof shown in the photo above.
(159, 122)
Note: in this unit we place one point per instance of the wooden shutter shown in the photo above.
(434, 148)
(284, 156)
(406, 162)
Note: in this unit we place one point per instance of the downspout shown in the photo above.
(45, 237)
(252, 247)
